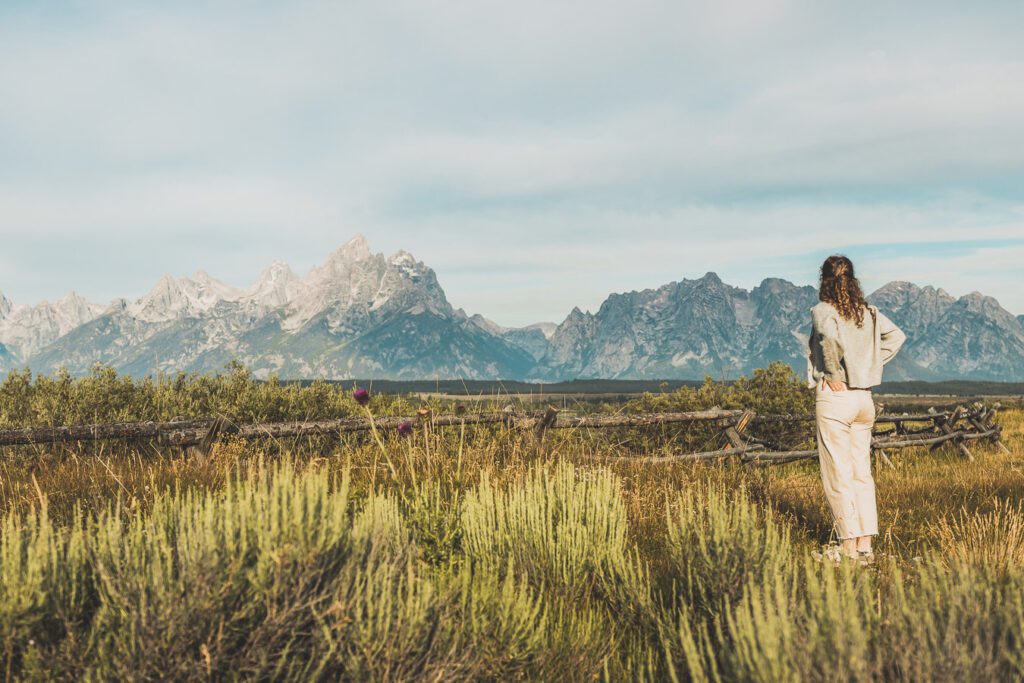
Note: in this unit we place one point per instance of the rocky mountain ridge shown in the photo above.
(361, 314)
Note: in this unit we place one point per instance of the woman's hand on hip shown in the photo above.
(833, 384)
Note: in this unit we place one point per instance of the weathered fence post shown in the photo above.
(946, 426)
(525, 423)
(205, 447)
(899, 428)
(984, 420)
(548, 420)
(885, 458)
(734, 433)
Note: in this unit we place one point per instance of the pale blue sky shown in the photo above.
(538, 155)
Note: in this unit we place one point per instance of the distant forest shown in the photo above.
(639, 386)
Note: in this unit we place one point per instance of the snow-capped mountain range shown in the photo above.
(364, 315)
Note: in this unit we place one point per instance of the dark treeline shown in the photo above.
(458, 387)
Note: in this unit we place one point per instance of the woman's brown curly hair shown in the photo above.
(840, 287)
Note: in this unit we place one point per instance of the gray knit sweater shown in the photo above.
(839, 350)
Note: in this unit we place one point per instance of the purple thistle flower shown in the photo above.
(404, 429)
(361, 396)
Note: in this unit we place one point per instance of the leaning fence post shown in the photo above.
(990, 421)
(205, 446)
(885, 458)
(943, 423)
(548, 420)
(734, 432)
(983, 420)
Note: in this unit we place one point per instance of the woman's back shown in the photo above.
(840, 349)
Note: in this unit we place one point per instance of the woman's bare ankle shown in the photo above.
(849, 547)
(864, 544)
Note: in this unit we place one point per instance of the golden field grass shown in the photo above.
(471, 555)
(923, 488)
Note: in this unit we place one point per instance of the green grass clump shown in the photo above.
(719, 541)
(565, 528)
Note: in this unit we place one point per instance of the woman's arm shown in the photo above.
(892, 337)
(827, 328)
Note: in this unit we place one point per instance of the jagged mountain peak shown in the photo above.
(710, 278)
(71, 304)
(487, 324)
(576, 315)
(274, 274)
(341, 263)
(898, 286)
(354, 283)
(276, 286)
(5, 306)
(276, 267)
(407, 264)
(24, 330)
(356, 249)
(978, 297)
(278, 271)
(901, 289)
(166, 280)
(976, 302)
(75, 308)
(402, 256)
(205, 281)
(777, 284)
(899, 296)
(172, 298)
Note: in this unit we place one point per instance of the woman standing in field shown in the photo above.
(850, 342)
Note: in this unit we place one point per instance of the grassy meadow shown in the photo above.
(470, 554)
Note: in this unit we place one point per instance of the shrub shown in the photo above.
(824, 630)
(720, 541)
(776, 389)
(45, 592)
(961, 623)
(564, 528)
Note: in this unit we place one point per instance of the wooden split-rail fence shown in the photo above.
(737, 438)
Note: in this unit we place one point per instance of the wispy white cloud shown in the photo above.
(538, 155)
(743, 243)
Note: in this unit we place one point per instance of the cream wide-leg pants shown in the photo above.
(844, 421)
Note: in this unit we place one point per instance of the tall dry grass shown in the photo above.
(471, 555)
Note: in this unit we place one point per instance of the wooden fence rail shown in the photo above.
(738, 439)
